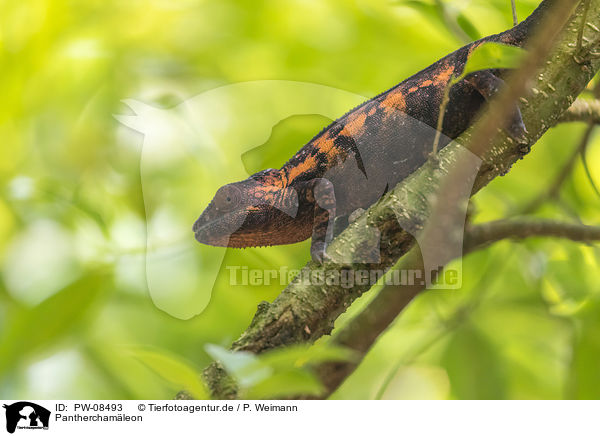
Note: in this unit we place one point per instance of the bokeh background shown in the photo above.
(77, 203)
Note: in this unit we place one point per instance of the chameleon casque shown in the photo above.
(352, 163)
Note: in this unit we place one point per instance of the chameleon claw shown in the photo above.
(318, 252)
(355, 215)
(516, 128)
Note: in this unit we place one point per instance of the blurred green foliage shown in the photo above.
(74, 297)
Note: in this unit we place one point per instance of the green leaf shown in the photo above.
(492, 55)
(174, 370)
(473, 366)
(468, 27)
(244, 366)
(427, 8)
(584, 374)
(301, 355)
(285, 384)
(280, 372)
(32, 330)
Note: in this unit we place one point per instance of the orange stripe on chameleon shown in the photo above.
(355, 126)
(303, 167)
(393, 102)
(444, 76)
(324, 143)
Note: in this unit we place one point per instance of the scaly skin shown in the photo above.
(356, 159)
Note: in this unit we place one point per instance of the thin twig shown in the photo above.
(584, 110)
(440, 122)
(514, 12)
(588, 173)
(586, 8)
(483, 234)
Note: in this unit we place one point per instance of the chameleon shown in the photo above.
(353, 162)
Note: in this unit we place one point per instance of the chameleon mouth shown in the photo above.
(215, 241)
(230, 240)
(248, 239)
(218, 232)
(231, 231)
(210, 233)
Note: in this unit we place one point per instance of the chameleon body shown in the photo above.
(351, 163)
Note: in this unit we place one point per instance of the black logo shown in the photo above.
(26, 415)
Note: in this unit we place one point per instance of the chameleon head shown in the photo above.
(257, 211)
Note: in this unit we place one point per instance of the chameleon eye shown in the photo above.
(227, 198)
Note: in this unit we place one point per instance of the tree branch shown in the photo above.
(587, 111)
(303, 312)
(483, 234)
